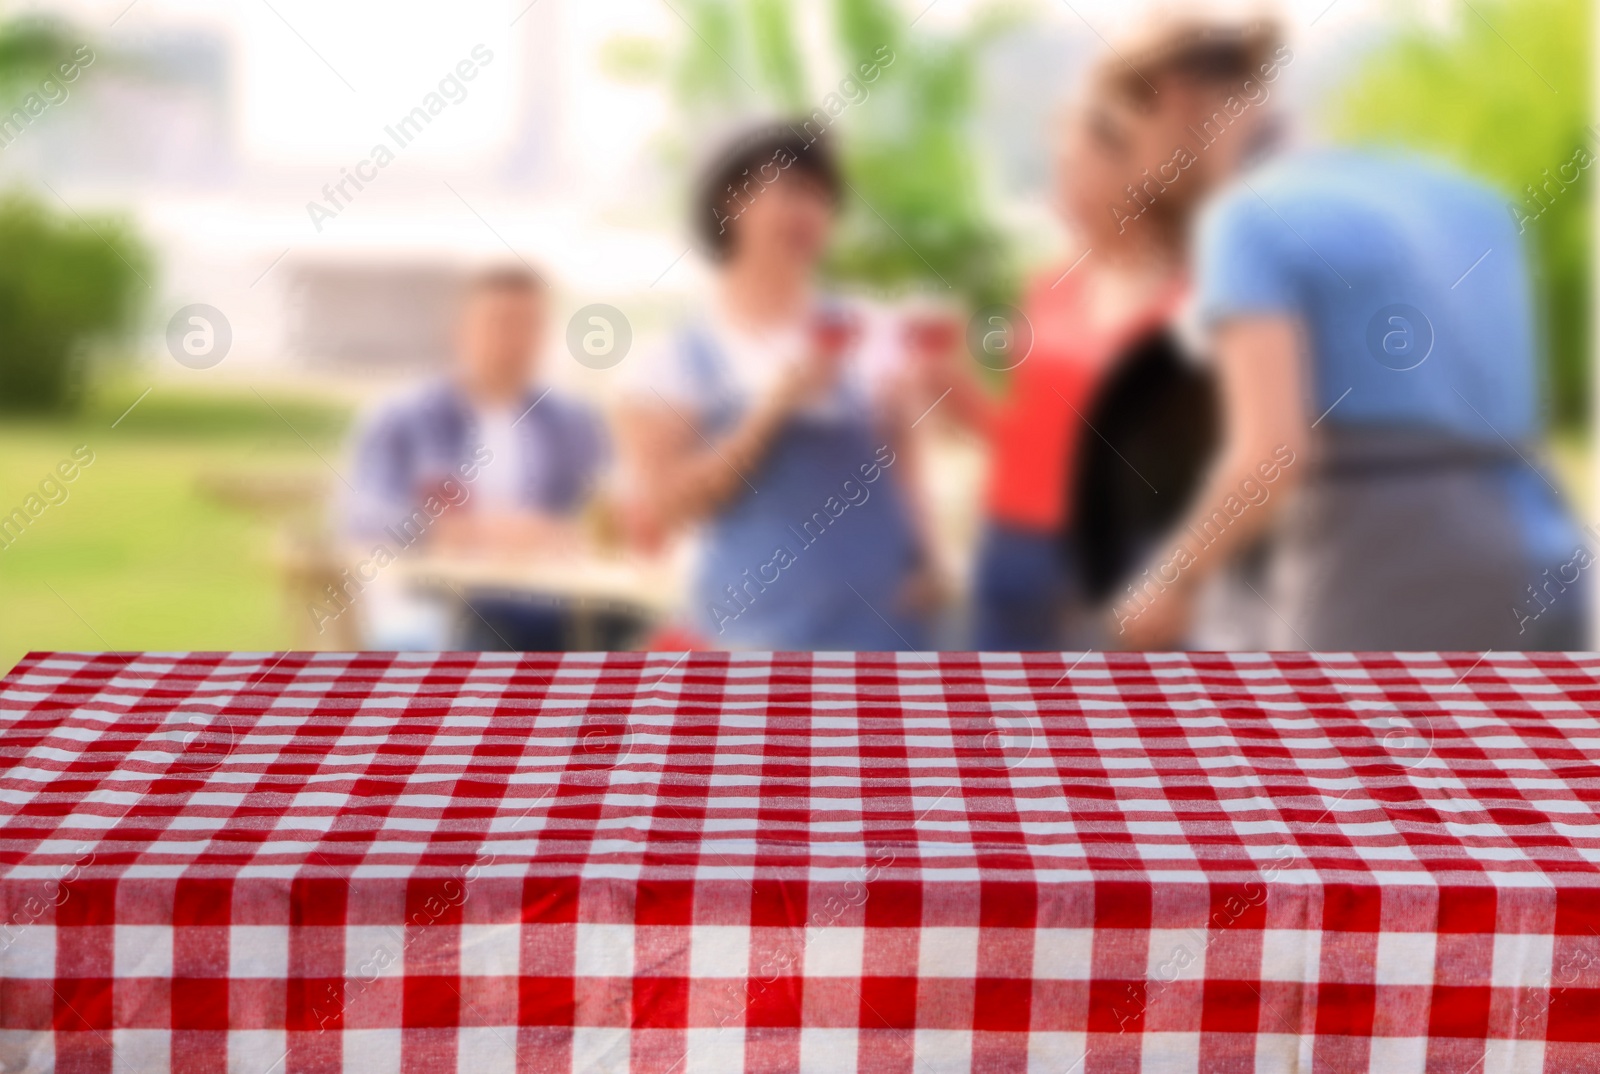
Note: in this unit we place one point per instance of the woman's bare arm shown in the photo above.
(683, 475)
(1262, 370)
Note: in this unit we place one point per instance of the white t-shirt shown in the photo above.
(500, 480)
(752, 361)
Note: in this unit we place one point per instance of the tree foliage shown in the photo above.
(916, 215)
(31, 50)
(65, 280)
(1503, 92)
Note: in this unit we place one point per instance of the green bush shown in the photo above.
(66, 283)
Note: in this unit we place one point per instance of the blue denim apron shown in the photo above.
(817, 555)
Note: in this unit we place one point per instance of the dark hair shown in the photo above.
(1194, 50)
(749, 163)
(519, 279)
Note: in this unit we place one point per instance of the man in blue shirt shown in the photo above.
(482, 462)
(1369, 320)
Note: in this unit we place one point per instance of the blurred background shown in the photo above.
(194, 317)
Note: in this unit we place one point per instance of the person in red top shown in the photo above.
(1121, 279)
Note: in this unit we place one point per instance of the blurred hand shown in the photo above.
(938, 371)
(454, 530)
(933, 341)
(529, 531)
(924, 592)
(1161, 623)
(506, 534)
(805, 381)
(643, 529)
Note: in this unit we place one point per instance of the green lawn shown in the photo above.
(146, 551)
(143, 553)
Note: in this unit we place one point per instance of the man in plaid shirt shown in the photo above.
(482, 462)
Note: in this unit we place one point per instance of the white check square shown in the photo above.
(834, 952)
(28, 951)
(1283, 1051)
(134, 1051)
(1174, 1053)
(948, 952)
(1523, 959)
(1057, 1053)
(257, 1051)
(490, 950)
(1398, 1053)
(714, 1051)
(603, 950)
(602, 1049)
(943, 1051)
(258, 951)
(719, 950)
(1291, 955)
(27, 1049)
(1177, 955)
(485, 1050)
(1405, 958)
(1514, 1056)
(373, 951)
(142, 951)
(828, 1051)
(1062, 954)
(370, 1051)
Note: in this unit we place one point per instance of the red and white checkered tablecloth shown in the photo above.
(820, 862)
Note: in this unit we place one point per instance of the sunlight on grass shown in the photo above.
(141, 554)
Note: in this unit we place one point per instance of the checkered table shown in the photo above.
(823, 862)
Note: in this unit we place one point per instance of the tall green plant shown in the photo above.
(916, 216)
(1504, 94)
(920, 216)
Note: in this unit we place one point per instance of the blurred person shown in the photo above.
(1369, 318)
(771, 423)
(1086, 315)
(483, 462)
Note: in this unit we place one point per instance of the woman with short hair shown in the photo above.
(770, 422)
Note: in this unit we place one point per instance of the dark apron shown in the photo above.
(1404, 540)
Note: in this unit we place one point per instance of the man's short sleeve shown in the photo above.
(1243, 264)
(380, 468)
